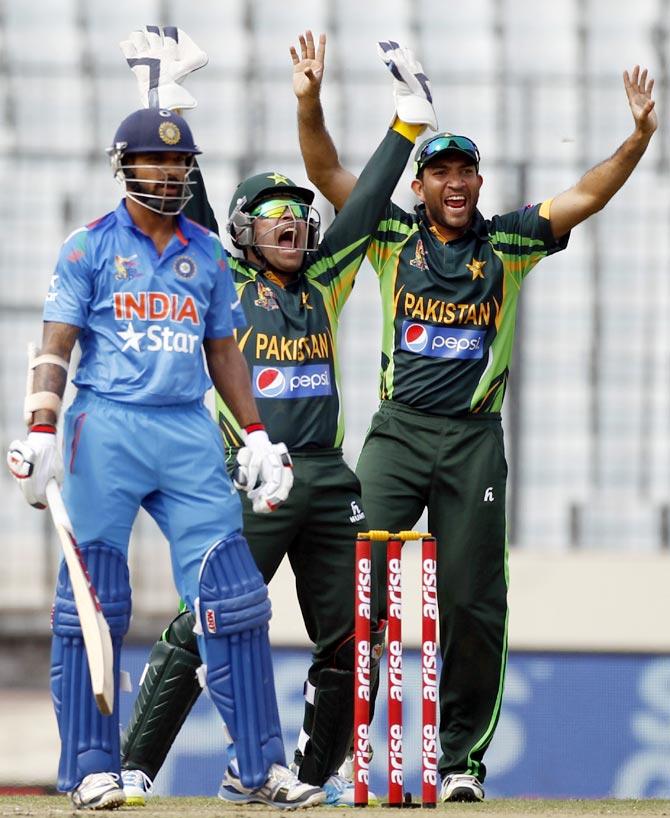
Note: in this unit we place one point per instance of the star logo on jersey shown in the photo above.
(131, 338)
(304, 301)
(266, 298)
(476, 267)
(419, 259)
(278, 179)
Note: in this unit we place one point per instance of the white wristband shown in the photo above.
(40, 400)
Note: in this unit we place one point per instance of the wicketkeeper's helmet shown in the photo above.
(262, 187)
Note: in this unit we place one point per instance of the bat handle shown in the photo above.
(57, 506)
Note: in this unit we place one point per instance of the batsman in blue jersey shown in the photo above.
(145, 291)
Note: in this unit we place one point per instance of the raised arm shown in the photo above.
(598, 185)
(319, 153)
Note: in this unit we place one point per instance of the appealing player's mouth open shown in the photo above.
(287, 238)
(455, 202)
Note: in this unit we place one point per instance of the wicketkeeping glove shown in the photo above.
(161, 58)
(33, 462)
(265, 471)
(411, 87)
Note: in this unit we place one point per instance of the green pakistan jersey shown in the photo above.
(290, 339)
(449, 308)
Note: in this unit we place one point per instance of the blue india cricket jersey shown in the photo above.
(143, 317)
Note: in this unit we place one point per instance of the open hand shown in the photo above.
(308, 67)
(638, 89)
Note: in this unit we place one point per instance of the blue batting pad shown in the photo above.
(234, 612)
(89, 740)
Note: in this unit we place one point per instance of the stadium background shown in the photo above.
(538, 86)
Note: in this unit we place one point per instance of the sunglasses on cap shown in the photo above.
(446, 142)
(275, 209)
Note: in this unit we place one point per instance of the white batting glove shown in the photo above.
(265, 471)
(161, 58)
(276, 481)
(411, 87)
(33, 462)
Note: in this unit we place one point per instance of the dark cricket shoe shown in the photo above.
(98, 791)
(461, 787)
(282, 789)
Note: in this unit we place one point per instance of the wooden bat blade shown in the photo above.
(95, 630)
(97, 638)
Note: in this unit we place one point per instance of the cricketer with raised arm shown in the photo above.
(450, 281)
(293, 284)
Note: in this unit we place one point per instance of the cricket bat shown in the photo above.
(97, 638)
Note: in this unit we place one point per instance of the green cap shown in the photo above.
(267, 185)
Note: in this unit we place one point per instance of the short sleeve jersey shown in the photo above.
(290, 343)
(449, 308)
(143, 316)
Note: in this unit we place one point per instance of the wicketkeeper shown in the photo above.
(293, 286)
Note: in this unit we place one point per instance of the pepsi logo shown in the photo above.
(416, 337)
(270, 382)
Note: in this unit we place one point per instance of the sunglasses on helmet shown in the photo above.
(275, 209)
(445, 142)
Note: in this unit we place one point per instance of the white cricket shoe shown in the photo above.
(461, 787)
(340, 792)
(98, 791)
(137, 787)
(282, 789)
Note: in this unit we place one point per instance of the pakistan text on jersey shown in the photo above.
(446, 312)
(277, 348)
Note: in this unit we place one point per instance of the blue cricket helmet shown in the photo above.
(154, 130)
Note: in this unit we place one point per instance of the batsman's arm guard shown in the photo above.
(41, 400)
(328, 725)
(168, 690)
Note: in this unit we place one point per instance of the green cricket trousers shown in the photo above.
(454, 466)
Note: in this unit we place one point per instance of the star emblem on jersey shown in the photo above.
(304, 301)
(131, 338)
(476, 267)
(278, 179)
